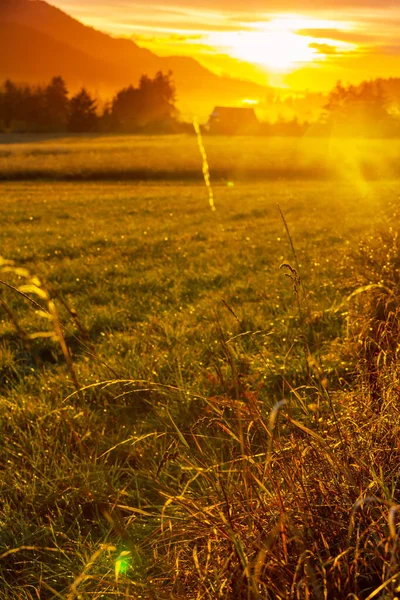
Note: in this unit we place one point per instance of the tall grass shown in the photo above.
(235, 464)
(300, 501)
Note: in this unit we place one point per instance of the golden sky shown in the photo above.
(309, 44)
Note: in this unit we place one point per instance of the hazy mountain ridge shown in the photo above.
(39, 40)
(47, 19)
(34, 57)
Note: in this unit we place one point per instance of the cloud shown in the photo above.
(229, 7)
(338, 35)
(281, 5)
(167, 39)
(323, 48)
(184, 30)
(372, 19)
(115, 15)
(393, 50)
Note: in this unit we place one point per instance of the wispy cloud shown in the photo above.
(393, 50)
(323, 48)
(338, 35)
(251, 5)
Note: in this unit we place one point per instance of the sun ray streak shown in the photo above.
(206, 170)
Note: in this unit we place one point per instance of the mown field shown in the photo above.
(181, 415)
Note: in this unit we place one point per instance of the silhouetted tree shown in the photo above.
(151, 106)
(157, 99)
(56, 98)
(34, 109)
(82, 113)
(361, 109)
(10, 104)
(107, 122)
(125, 109)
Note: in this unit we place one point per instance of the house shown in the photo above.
(233, 121)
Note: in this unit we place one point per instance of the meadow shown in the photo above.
(176, 158)
(199, 404)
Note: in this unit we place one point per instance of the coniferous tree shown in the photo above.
(82, 113)
(56, 99)
(151, 106)
(125, 109)
(11, 104)
(107, 122)
(157, 100)
(35, 111)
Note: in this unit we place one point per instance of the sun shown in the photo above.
(276, 45)
(276, 50)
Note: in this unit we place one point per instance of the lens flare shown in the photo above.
(122, 564)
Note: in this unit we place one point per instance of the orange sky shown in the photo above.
(309, 44)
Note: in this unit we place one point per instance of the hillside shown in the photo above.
(39, 40)
(33, 56)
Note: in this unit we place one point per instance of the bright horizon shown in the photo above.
(288, 46)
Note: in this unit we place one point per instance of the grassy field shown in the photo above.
(182, 416)
(176, 158)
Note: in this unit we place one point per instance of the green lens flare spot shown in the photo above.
(122, 564)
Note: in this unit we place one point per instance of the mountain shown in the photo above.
(33, 57)
(39, 40)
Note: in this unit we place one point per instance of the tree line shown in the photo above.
(362, 109)
(355, 110)
(150, 107)
(369, 109)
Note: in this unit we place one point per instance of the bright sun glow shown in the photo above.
(278, 51)
(250, 101)
(276, 45)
